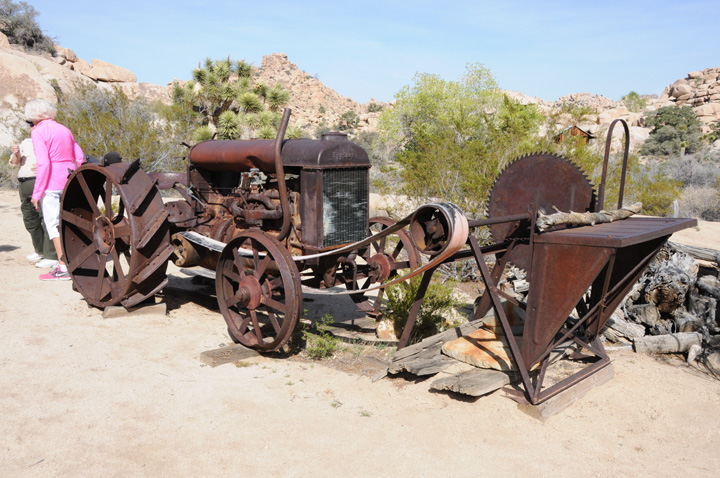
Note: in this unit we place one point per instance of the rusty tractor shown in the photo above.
(271, 216)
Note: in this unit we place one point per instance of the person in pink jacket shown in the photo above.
(56, 152)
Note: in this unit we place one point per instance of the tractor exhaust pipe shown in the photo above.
(280, 171)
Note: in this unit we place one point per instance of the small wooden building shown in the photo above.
(573, 131)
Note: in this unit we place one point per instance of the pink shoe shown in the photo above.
(56, 274)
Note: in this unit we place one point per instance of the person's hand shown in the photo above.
(35, 203)
(15, 157)
(34, 167)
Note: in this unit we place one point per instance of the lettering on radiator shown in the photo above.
(338, 155)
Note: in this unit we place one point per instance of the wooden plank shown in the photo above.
(702, 253)
(679, 342)
(230, 354)
(116, 311)
(564, 399)
(474, 383)
(422, 366)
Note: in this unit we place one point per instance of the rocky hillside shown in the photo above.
(701, 90)
(25, 75)
(313, 103)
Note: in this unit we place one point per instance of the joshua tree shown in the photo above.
(230, 106)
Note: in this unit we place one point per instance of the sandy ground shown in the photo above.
(85, 396)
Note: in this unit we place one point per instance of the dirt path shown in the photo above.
(84, 396)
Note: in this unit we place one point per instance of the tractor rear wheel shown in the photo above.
(116, 251)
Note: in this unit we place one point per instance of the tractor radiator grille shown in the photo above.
(345, 206)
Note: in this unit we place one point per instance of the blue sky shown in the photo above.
(371, 49)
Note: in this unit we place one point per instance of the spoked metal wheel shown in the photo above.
(258, 290)
(116, 254)
(384, 259)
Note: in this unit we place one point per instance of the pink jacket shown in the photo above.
(55, 151)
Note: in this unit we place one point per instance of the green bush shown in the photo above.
(634, 102)
(675, 130)
(321, 344)
(348, 121)
(436, 305)
(105, 120)
(8, 173)
(17, 22)
(452, 138)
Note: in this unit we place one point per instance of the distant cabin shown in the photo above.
(573, 131)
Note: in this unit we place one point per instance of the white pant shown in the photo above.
(51, 212)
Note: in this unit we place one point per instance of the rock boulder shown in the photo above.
(104, 71)
(21, 81)
(4, 43)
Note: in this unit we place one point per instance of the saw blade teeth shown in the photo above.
(513, 175)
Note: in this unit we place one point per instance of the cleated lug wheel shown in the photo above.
(115, 234)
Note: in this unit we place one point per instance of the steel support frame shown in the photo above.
(596, 313)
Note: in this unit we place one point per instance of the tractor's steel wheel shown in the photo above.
(385, 258)
(258, 291)
(116, 255)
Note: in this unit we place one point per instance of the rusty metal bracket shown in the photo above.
(606, 159)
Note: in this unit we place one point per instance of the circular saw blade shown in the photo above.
(551, 180)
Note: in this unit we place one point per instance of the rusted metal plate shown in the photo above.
(610, 257)
(618, 234)
(560, 276)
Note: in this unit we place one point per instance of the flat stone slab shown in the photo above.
(230, 354)
(116, 311)
(482, 348)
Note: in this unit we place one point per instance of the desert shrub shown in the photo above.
(348, 121)
(104, 120)
(451, 138)
(700, 202)
(321, 344)
(714, 133)
(8, 173)
(693, 169)
(675, 129)
(17, 22)
(655, 190)
(437, 304)
(320, 130)
(634, 102)
(645, 181)
(374, 108)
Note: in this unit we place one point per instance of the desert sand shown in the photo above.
(128, 397)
